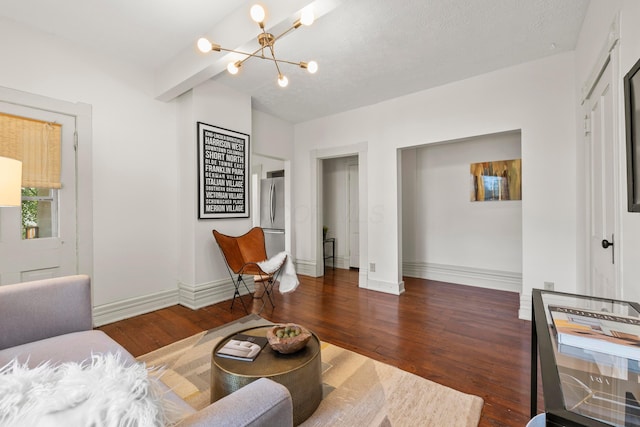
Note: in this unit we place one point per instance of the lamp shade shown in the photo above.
(10, 182)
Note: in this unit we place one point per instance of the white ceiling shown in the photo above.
(367, 50)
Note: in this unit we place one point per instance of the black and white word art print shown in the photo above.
(223, 180)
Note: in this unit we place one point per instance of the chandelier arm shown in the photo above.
(254, 55)
(283, 34)
(275, 61)
(241, 52)
(283, 61)
(249, 55)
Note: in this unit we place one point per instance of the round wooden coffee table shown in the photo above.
(300, 373)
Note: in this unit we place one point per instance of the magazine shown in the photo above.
(597, 331)
(242, 347)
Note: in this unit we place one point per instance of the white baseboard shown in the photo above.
(109, 313)
(483, 278)
(204, 294)
(386, 287)
(309, 268)
(363, 275)
(525, 307)
(340, 262)
(191, 296)
(306, 267)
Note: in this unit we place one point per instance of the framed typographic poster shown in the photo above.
(223, 176)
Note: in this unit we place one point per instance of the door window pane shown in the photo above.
(39, 213)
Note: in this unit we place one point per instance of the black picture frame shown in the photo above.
(223, 172)
(632, 125)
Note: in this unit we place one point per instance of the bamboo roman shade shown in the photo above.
(37, 145)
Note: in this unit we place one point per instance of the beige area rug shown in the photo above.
(358, 391)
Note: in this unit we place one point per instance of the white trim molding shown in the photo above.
(386, 287)
(342, 262)
(306, 267)
(471, 276)
(613, 36)
(112, 312)
(204, 294)
(190, 296)
(525, 313)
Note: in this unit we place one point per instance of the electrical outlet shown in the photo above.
(548, 286)
(372, 267)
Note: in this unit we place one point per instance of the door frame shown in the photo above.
(316, 173)
(82, 114)
(609, 56)
(255, 199)
(350, 213)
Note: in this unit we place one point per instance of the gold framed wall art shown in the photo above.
(496, 180)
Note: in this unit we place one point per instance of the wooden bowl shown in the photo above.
(287, 345)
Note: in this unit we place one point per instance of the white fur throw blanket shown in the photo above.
(288, 278)
(101, 392)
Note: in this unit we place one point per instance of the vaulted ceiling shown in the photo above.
(368, 51)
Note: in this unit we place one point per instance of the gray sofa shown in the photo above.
(51, 320)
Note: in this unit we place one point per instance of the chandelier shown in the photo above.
(267, 42)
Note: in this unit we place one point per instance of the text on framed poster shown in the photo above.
(223, 180)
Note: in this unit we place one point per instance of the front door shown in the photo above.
(39, 253)
(599, 111)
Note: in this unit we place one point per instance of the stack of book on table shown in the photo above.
(242, 347)
(599, 331)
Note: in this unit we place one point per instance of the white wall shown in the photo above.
(537, 98)
(272, 137)
(443, 231)
(134, 169)
(595, 31)
(149, 248)
(216, 105)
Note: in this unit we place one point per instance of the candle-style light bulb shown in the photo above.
(257, 13)
(307, 17)
(204, 45)
(233, 67)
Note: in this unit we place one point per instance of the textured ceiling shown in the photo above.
(368, 50)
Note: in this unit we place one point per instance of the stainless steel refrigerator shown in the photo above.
(272, 214)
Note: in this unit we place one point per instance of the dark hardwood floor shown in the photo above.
(463, 337)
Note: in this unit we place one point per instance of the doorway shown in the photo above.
(318, 157)
(354, 216)
(446, 234)
(340, 212)
(39, 240)
(600, 138)
(265, 168)
(67, 249)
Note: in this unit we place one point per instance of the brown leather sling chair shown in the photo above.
(242, 255)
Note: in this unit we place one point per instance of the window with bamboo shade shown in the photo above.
(37, 145)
